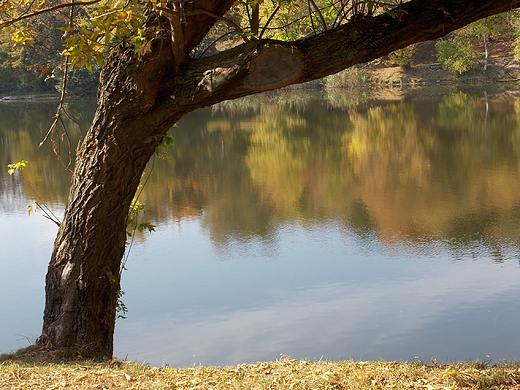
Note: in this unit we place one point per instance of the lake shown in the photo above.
(330, 225)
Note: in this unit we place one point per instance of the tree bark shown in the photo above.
(83, 278)
(139, 100)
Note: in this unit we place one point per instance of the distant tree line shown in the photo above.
(28, 62)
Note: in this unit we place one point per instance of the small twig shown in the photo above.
(46, 210)
(212, 44)
(342, 14)
(268, 21)
(137, 195)
(249, 18)
(58, 117)
(26, 15)
(46, 215)
(310, 17)
(320, 15)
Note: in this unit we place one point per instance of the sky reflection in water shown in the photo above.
(308, 302)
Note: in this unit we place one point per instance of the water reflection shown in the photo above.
(318, 296)
(312, 227)
(420, 170)
(23, 127)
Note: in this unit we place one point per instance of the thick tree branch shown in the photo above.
(366, 39)
(266, 64)
(170, 13)
(197, 23)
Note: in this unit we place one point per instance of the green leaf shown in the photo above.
(19, 166)
(146, 226)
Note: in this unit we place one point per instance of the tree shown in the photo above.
(150, 79)
(457, 54)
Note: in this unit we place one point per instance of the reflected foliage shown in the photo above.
(407, 173)
(24, 125)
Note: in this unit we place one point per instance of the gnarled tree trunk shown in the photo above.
(83, 278)
(140, 98)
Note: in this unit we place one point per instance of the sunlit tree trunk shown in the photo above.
(141, 97)
(83, 277)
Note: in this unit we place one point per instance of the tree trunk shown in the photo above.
(83, 278)
(141, 97)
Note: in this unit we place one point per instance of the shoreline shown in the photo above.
(285, 373)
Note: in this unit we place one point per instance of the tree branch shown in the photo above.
(311, 5)
(267, 64)
(225, 20)
(237, 28)
(268, 21)
(45, 10)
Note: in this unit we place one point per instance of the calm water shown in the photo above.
(309, 226)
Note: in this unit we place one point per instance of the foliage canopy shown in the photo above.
(91, 29)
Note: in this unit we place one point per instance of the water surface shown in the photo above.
(308, 226)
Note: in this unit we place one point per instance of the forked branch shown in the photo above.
(235, 26)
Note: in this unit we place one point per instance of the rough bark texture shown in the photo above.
(141, 98)
(83, 276)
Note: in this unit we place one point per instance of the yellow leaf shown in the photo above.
(448, 374)
(20, 36)
(88, 65)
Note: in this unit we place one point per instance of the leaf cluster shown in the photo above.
(101, 27)
(136, 209)
(19, 166)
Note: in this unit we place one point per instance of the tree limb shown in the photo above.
(45, 10)
(267, 64)
(237, 28)
(311, 5)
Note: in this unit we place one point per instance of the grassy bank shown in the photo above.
(29, 373)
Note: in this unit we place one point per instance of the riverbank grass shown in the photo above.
(282, 374)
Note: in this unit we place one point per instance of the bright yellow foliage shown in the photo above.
(21, 37)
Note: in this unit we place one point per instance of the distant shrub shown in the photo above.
(403, 57)
(457, 54)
